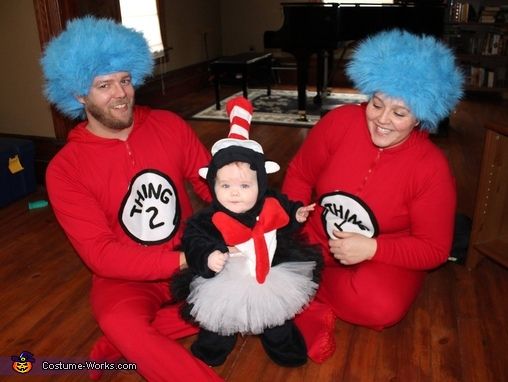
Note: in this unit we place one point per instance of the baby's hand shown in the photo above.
(217, 260)
(302, 213)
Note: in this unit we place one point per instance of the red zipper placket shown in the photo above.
(129, 153)
(370, 170)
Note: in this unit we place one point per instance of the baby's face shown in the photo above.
(236, 187)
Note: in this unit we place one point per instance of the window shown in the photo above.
(143, 17)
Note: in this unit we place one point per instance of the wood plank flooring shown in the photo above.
(456, 330)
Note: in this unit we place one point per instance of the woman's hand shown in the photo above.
(352, 248)
(217, 260)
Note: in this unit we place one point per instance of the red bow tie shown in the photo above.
(272, 217)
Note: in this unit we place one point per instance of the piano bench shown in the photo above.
(278, 65)
(241, 66)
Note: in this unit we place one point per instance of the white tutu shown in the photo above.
(234, 302)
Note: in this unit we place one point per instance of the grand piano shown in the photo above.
(320, 28)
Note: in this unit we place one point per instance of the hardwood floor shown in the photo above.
(456, 330)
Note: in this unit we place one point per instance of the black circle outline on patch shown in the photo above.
(359, 201)
(176, 219)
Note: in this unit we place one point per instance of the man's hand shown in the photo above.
(352, 248)
(217, 260)
(183, 261)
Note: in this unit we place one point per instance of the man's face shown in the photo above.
(110, 101)
(236, 187)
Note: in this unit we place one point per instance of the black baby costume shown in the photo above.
(264, 285)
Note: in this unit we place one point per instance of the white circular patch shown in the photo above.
(150, 212)
(347, 213)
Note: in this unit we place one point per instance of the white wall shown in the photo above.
(187, 23)
(23, 109)
(230, 26)
(245, 21)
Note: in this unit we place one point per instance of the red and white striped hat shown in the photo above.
(239, 110)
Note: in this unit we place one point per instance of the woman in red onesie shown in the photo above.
(385, 193)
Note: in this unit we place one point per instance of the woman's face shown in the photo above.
(389, 121)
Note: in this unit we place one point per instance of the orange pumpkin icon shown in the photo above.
(23, 363)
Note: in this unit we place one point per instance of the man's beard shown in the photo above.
(106, 120)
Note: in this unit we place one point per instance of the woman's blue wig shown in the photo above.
(419, 70)
(91, 47)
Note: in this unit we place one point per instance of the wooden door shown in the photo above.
(51, 17)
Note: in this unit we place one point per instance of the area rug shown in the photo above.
(281, 107)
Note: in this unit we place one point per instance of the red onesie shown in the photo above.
(403, 196)
(122, 205)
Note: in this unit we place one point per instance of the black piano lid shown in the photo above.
(323, 25)
(310, 28)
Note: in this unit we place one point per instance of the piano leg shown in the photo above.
(320, 77)
(324, 68)
(302, 77)
(216, 88)
(329, 71)
(244, 82)
(268, 69)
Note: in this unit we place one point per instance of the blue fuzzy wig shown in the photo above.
(91, 47)
(418, 70)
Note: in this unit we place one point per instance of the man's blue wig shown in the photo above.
(91, 47)
(419, 70)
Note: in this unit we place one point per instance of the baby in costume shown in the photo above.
(249, 273)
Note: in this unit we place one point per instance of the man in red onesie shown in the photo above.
(385, 193)
(117, 189)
